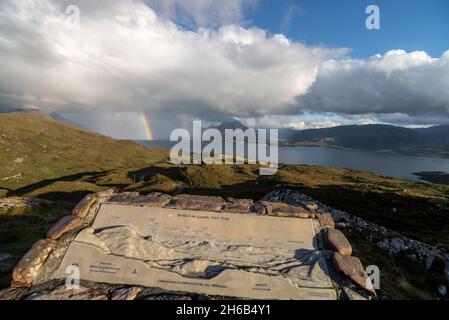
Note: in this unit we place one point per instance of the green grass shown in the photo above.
(20, 228)
(34, 147)
(63, 164)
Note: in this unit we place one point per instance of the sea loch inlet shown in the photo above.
(235, 141)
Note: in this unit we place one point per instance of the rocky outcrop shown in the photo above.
(238, 205)
(392, 242)
(284, 203)
(133, 199)
(16, 202)
(193, 202)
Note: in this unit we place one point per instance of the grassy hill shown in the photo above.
(34, 147)
(40, 157)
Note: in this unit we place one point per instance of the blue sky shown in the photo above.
(406, 24)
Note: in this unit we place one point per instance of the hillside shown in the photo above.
(34, 147)
(378, 137)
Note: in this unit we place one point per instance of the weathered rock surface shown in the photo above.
(28, 267)
(325, 220)
(82, 209)
(154, 200)
(66, 224)
(335, 240)
(262, 208)
(286, 210)
(280, 203)
(352, 268)
(62, 293)
(238, 205)
(16, 202)
(194, 202)
(126, 293)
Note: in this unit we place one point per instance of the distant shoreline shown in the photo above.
(436, 177)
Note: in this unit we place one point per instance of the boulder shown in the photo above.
(194, 202)
(62, 293)
(262, 208)
(28, 267)
(238, 205)
(151, 200)
(126, 293)
(335, 240)
(285, 210)
(83, 208)
(66, 224)
(311, 205)
(131, 198)
(325, 220)
(106, 193)
(352, 268)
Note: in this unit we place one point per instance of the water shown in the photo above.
(387, 164)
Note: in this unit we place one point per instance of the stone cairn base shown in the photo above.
(31, 276)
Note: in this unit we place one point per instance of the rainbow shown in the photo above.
(146, 125)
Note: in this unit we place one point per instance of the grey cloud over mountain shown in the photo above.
(127, 57)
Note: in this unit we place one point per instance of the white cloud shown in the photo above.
(125, 57)
(396, 82)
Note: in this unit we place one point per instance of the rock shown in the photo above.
(397, 245)
(325, 220)
(352, 268)
(194, 202)
(262, 208)
(83, 208)
(238, 205)
(285, 210)
(151, 200)
(17, 202)
(106, 193)
(126, 293)
(28, 267)
(61, 293)
(311, 205)
(66, 224)
(384, 244)
(335, 240)
(442, 290)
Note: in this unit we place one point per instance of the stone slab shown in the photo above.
(219, 254)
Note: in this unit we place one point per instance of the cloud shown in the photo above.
(126, 57)
(289, 14)
(396, 82)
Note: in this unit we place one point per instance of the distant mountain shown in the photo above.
(437, 136)
(231, 124)
(375, 137)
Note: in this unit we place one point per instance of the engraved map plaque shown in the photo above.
(219, 254)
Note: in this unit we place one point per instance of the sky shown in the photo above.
(137, 69)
